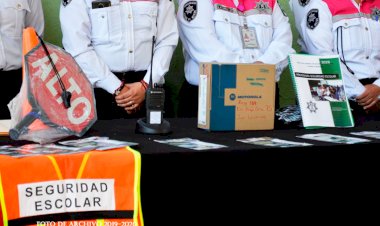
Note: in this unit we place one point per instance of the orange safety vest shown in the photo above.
(90, 188)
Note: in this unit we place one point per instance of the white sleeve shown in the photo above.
(199, 38)
(76, 31)
(319, 40)
(352, 85)
(281, 44)
(166, 41)
(35, 18)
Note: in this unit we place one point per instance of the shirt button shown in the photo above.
(226, 19)
(366, 28)
(130, 51)
(129, 16)
(19, 6)
(367, 57)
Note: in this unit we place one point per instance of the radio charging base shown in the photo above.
(142, 126)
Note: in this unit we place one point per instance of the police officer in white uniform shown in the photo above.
(300, 8)
(15, 15)
(213, 31)
(351, 30)
(112, 42)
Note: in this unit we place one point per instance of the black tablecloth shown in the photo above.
(245, 184)
(187, 127)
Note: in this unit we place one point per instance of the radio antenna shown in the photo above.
(151, 63)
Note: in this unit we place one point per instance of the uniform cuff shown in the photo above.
(377, 82)
(110, 84)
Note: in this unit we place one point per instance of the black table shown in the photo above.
(245, 184)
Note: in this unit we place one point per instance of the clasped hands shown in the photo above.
(131, 97)
(369, 99)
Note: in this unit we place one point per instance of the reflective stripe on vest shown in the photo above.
(77, 187)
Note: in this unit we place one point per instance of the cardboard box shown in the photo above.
(236, 97)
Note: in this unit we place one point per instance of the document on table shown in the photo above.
(369, 134)
(191, 143)
(333, 138)
(273, 142)
(39, 149)
(98, 143)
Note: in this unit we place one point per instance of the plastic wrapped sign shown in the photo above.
(56, 99)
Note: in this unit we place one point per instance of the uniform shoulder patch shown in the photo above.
(65, 2)
(303, 2)
(312, 19)
(190, 11)
(375, 14)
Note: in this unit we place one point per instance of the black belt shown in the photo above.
(2, 69)
(130, 76)
(16, 71)
(366, 81)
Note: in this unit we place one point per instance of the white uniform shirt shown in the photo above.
(358, 45)
(213, 35)
(15, 15)
(119, 38)
(300, 8)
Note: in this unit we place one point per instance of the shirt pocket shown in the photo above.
(13, 18)
(227, 28)
(374, 30)
(263, 28)
(348, 35)
(106, 25)
(145, 18)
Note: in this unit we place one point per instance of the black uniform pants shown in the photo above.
(10, 84)
(359, 114)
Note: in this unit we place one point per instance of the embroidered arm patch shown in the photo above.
(65, 2)
(312, 19)
(190, 11)
(303, 2)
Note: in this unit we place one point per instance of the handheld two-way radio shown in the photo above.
(154, 97)
(155, 102)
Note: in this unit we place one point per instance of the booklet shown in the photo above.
(273, 142)
(191, 143)
(333, 138)
(320, 92)
(370, 134)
